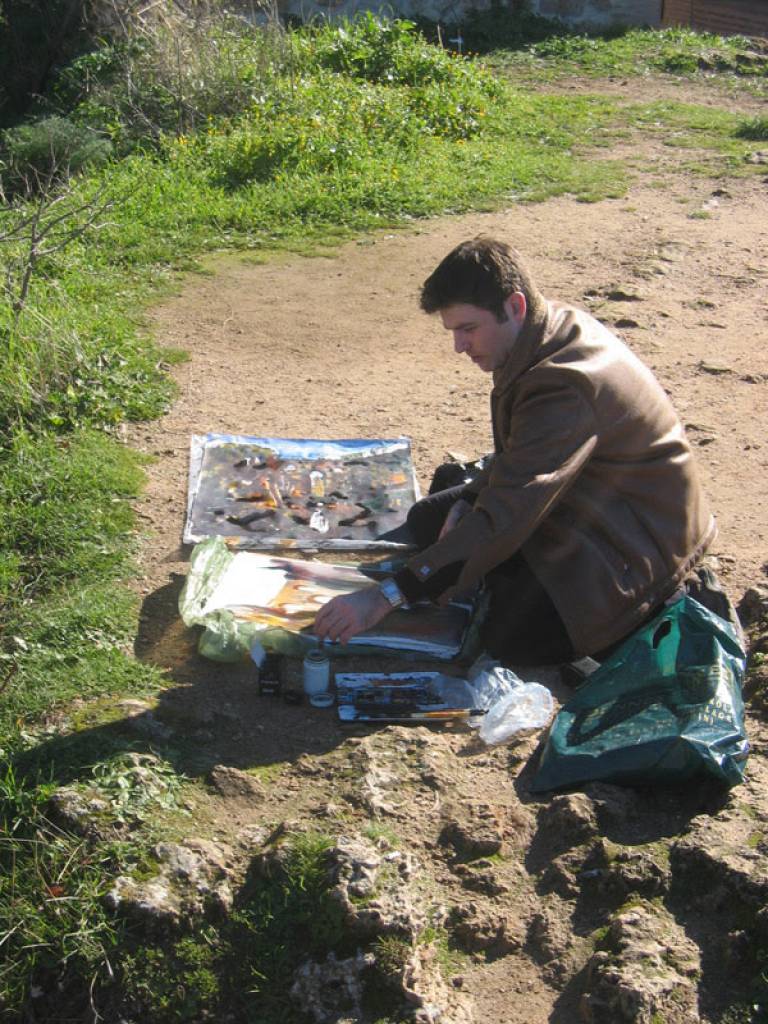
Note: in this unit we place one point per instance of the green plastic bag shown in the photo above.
(666, 706)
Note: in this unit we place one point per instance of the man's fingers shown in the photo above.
(332, 622)
(345, 616)
(325, 622)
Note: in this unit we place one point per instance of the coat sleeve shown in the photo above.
(551, 435)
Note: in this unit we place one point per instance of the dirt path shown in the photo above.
(335, 347)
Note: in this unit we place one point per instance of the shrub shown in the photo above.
(374, 49)
(48, 150)
(172, 79)
(327, 123)
(503, 26)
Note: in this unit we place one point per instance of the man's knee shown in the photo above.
(448, 474)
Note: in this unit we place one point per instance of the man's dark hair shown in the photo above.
(482, 272)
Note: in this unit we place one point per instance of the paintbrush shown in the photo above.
(350, 713)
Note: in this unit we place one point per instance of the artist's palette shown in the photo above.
(282, 492)
(423, 697)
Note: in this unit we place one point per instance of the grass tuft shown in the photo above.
(753, 128)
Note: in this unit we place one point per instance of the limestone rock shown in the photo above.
(647, 970)
(433, 1000)
(561, 875)
(193, 881)
(753, 607)
(331, 991)
(231, 782)
(154, 901)
(621, 294)
(252, 837)
(549, 936)
(140, 716)
(721, 864)
(372, 887)
(568, 820)
(379, 775)
(481, 877)
(615, 872)
(616, 807)
(74, 811)
(476, 831)
(493, 932)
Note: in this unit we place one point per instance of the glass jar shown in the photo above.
(317, 672)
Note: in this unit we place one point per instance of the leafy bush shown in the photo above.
(500, 26)
(319, 127)
(48, 150)
(375, 49)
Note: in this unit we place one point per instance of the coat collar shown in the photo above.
(526, 346)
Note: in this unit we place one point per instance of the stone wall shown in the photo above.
(601, 13)
(578, 13)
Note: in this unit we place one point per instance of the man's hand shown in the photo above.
(457, 512)
(350, 614)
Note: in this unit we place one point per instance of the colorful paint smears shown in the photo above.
(283, 492)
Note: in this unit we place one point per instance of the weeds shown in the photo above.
(136, 786)
(753, 128)
(53, 926)
(171, 76)
(49, 150)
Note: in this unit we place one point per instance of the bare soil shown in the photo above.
(334, 346)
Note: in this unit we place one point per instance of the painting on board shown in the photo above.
(287, 594)
(260, 492)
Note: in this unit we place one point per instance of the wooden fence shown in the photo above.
(725, 17)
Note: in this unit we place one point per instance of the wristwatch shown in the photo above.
(392, 592)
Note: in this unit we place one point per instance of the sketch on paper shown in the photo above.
(281, 492)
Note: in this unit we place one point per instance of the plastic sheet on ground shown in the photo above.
(276, 492)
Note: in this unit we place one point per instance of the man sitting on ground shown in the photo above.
(590, 514)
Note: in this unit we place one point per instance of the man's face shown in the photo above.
(478, 334)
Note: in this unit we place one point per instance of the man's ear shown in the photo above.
(516, 306)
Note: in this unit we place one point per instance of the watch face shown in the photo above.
(391, 591)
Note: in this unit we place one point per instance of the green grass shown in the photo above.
(725, 61)
(753, 128)
(67, 542)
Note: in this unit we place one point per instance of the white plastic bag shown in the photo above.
(490, 682)
(528, 706)
(510, 704)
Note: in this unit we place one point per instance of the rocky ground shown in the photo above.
(602, 905)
